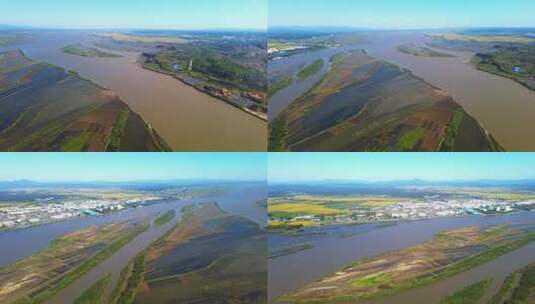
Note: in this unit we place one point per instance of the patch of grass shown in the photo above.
(76, 144)
(519, 287)
(505, 290)
(468, 295)
(448, 140)
(129, 281)
(165, 218)
(470, 262)
(371, 280)
(117, 132)
(85, 267)
(410, 140)
(279, 85)
(96, 293)
(277, 134)
(310, 69)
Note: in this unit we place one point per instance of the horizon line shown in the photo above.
(403, 180)
(43, 27)
(355, 27)
(131, 181)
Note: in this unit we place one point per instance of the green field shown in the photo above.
(165, 218)
(279, 85)
(310, 69)
(410, 140)
(96, 294)
(117, 132)
(518, 288)
(468, 295)
(452, 129)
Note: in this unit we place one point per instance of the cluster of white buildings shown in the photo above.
(421, 209)
(27, 215)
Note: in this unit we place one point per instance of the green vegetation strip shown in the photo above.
(76, 144)
(468, 295)
(85, 267)
(96, 293)
(459, 267)
(518, 287)
(277, 135)
(279, 85)
(117, 132)
(448, 141)
(310, 69)
(410, 140)
(87, 52)
(165, 218)
(129, 281)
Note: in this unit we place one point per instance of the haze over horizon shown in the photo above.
(132, 167)
(393, 14)
(381, 167)
(137, 14)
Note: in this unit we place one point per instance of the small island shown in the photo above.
(84, 51)
(422, 51)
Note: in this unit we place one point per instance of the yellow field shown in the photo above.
(142, 39)
(484, 39)
(281, 46)
(303, 209)
(370, 201)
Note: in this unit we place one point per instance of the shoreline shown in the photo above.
(250, 112)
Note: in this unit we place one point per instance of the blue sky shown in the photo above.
(159, 14)
(132, 166)
(283, 167)
(402, 14)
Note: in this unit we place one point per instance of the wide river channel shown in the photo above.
(186, 118)
(337, 246)
(505, 108)
(240, 200)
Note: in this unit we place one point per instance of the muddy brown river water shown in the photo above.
(186, 118)
(505, 108)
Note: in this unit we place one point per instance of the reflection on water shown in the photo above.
(187, 119)
(335, 247)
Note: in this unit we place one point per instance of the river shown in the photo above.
(505, 108)
(236, 199)
(336, 246)
(187, 119)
